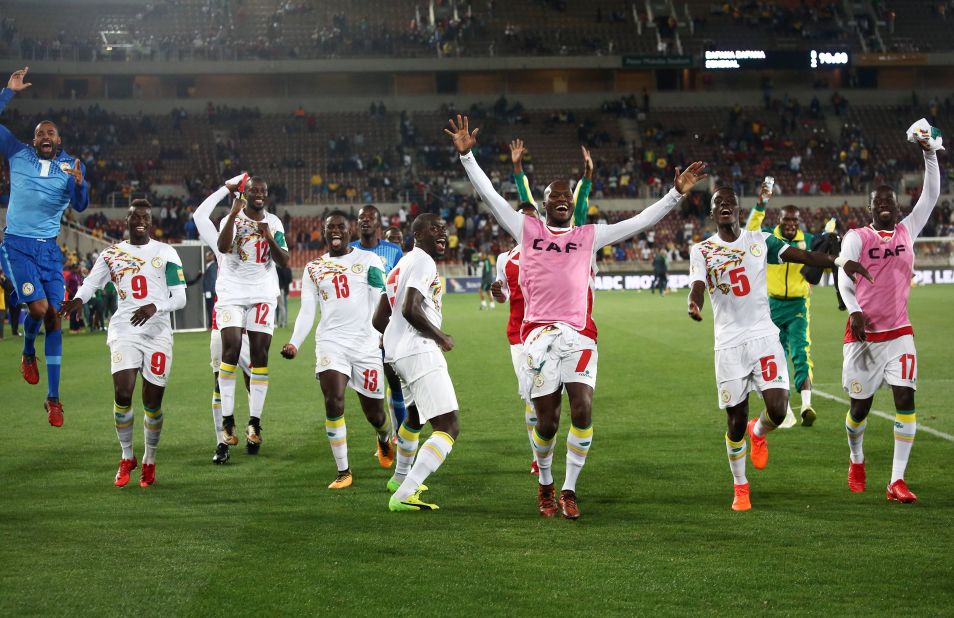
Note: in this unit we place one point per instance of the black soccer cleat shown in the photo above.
(221, 454)
(253, 436)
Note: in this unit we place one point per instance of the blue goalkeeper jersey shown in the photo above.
(39, 188)
(387, 251)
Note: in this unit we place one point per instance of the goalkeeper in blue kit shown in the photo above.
(44, 182)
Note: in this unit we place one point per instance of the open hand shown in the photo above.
(517, 150)
(460, 132)
(76, 171)
(16, 83)
(74, 304)
(289, 351)
(687, 179)
(857, 322)
(143, 314)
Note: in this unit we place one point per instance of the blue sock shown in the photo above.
(54, 356)
(31, 328)
(400, 412)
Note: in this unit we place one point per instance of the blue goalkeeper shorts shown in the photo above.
(35, 268)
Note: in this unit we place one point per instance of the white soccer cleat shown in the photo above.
(790, 420)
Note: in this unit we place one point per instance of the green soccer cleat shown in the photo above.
(411, 503)
(394, 484)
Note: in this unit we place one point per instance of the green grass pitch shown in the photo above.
(263, 536)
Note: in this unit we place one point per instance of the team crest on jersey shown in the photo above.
(357, 269)
(854, 387)
(157, 262)
(802, 245)
(27, 288)
(65, 166)
(756, 249)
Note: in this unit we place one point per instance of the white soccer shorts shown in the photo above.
(756, 365)
(869, 364)
(365, 369)
(570, 358)
(518, 359)
(215, 351)
(429, 383)
(254, 317)
(151, 356)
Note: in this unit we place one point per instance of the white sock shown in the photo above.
(227, 388)
(123, 419)
(258, 388)
(806, 398)
(433, 453)
(152, 429)
(905, 427)
(406, 450)
(338, 439)
(856, 438)
(736, 452)
(544, 450)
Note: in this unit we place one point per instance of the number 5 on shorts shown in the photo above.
(769, 368)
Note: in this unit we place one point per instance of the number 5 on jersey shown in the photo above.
(740, 283)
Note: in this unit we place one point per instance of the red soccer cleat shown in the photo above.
(28, 368)
(857, 477)
(758, 449)
(54, 412)
(898, 492)
(534, 468)
(125, 467)
(568, 504)
(741, 502)
(546, 501)
(148, 476)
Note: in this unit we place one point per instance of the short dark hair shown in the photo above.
(140, 202)
(422, 221)
(392, 227)
(337, 213)
(370, 207)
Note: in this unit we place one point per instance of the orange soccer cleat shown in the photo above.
(534, 468)
(568, 504)
(758, 449)
(54, 412)
(546, 500)
(857, 477)
(125, 467)
(741, 501)
(385, 454)
(28, 368)
(898, 492)
(148, 476)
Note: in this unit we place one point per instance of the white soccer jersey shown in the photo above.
(419, 271)
(247, 272)
(734, 274)
(347, 289)
(142, 274)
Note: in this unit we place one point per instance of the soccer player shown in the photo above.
(369, 230)
(210, 236)
(486, 280)
(507, 284)
(395, 236)
(731, 265)
(879, 339)
(556, 263)
(346, 283)
(148, 276)
(44, 182)
(251, 242)
(790, 299)
(410, 317)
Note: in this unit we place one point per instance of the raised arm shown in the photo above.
(613, 233)
(581, 196)
(757, 216)
(509, 219)
(517, 150)
(203, 219)
(79, 191)
(931, 190)
(9, 145)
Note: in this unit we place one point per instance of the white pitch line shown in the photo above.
(885, 415)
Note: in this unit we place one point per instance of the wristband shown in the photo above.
(841, 261)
